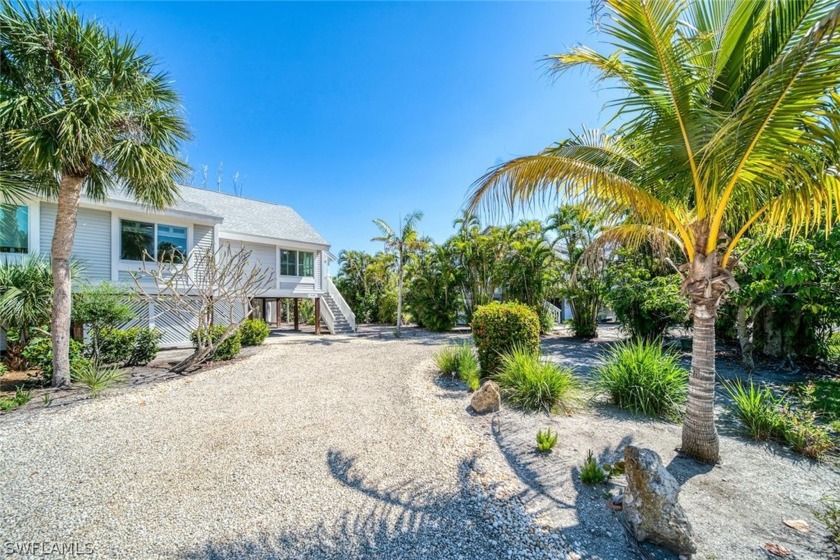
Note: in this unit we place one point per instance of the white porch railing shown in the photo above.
(339, 301)
(327, 316)
(554, 312)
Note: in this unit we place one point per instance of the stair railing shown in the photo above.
(336, 296)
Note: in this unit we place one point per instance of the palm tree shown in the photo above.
(728, 112)
(81, 106)
(402, 244)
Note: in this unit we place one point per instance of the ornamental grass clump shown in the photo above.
(640, 376)
(532, 383)
(459, 360)
(97, 378)
(546, 440)
(591, 472)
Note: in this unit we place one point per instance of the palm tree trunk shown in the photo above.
(699, 435)
(399, 297)
(70, 192)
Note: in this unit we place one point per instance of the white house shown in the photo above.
(112, 236)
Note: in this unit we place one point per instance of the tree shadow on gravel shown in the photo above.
(405, 521)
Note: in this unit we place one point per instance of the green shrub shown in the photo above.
(461, 361)
(114, 345)
(640, 376)
(3, 369)
(499, 327)
(591, 472)
(38, 354)
(21, 398)
(546, 322)
(806, 437)
(546, 440)
(144, 347)
(228, 349)
(531, 383)
(758, 409)
(254, 332)
(97, 378)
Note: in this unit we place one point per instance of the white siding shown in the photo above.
(264, 256)
(319, 255)
(92, 243)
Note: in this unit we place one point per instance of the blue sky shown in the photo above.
(351, 111)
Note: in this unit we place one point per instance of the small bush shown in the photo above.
(21, 398)
(531, 383)
(228, 349)
(546, 440)
(461, 361)
(640, 376)
(114, 345)
(499, 327)
(38, 354)
(591, 472)
(254, 332)
(97, 378)
(806, 437)
(3, 369)
(144, 347)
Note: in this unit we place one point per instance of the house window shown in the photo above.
(160, 241)
(288, 263)
(306, 263)
(14, 229)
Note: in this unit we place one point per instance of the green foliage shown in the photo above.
(766, 416)
(254, 332)
(38, 353)
(46, 399)
(546, 322)
(531, 383)
(830, 516)
(640, 376)
(227, 350)
(97, 377)
(432, 296)
(758, 409)
(3, 368)
(459, 360)
(363, 281)
(645, 297)
(104, 307)
(498, 328)
(591, 472)
(145, 346)
(21, 397)
(546, 440)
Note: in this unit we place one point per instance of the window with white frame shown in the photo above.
(14, 229)
(160, 241)
(297, 263)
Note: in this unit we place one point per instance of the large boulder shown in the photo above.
(650, 502)
(487, 398)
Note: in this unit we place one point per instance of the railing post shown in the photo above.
(317, 315)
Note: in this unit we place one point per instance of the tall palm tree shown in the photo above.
(82, 106)
(726, 112)
(402, 244)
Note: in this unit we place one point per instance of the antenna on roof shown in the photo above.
(219, 178)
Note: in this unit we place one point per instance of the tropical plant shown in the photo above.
(576, 229)
(460, 360)
(498, 328)
(640, 376)
(98, 377)
(82, 110)
(228, 349)
(532, 383)
(591, 472)
(546, 440)
(728, 123)
(100, 307)
(26, 289)
(22, 396)
(403, 244)
(254, 332)
(432, 296)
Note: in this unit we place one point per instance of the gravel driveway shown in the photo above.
(315, 447)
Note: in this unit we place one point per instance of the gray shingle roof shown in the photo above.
(250, 217)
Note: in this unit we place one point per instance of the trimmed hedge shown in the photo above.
(228, 349)
(254, 332)
(136, 346)
(498, 328)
